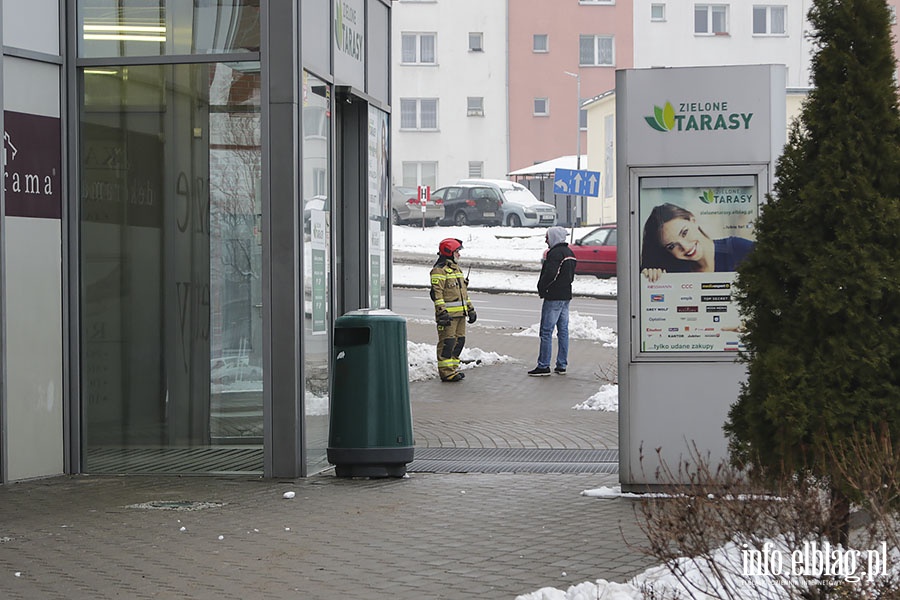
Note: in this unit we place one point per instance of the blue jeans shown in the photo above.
(554, 313)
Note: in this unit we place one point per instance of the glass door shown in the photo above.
(316, 287)
(171, 319)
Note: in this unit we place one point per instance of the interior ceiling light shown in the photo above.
(124, 37)
(125, 32)
(129, 28)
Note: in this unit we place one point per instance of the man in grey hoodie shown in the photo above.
(555, 287)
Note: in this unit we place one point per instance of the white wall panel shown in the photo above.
(34, 347)
(30, 87)
(31, 25)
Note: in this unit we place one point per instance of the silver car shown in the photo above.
(519, 206)
(405, 208)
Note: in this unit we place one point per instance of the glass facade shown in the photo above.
(171, 268)
(317, 285)
(119, 28)
(379, 193)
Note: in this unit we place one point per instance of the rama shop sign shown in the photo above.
(32, 165)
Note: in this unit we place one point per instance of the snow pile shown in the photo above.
(580, 328)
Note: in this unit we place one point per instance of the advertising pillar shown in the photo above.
(696, 155)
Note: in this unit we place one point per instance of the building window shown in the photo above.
(541, 107)
(711, 19)
(893, 11)
(476, 41)
(475, 106)
(769, 20)
(657, 12)
(540, 43)
(476, 169)
(596, 1)
(582, 119)
(418, 48)
(419, 114)
(419, 173)
(595, 50)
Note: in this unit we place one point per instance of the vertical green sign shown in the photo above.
(318, 254)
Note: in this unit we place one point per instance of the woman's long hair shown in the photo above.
(653, 253)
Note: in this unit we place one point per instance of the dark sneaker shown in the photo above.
(454, 378)
(560, 370)
(540, 372)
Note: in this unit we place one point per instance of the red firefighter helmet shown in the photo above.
(448, 246)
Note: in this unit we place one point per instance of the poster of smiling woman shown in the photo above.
(694, 232)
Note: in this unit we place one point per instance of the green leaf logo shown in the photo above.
(339, 25)
(707, 197)
(663, 119)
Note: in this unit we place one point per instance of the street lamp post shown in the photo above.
(577, 77)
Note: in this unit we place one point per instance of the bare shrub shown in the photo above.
(721, 534)
(608, 373)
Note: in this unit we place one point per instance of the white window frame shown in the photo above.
(419, 176)
(418, 38)
(662, 16)
(405, 104)
(596, 58)
(475, 106)
(478, 38)
(476, 169)
(711, 11)
(534, 44)
(534, 107)
(768, 8)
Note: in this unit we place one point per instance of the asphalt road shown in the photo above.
(503, 310)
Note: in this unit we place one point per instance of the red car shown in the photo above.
(596, 252)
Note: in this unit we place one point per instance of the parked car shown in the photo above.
(519, 206)
(405, 207)
(596, 252)
(228, 370)
(467, 203)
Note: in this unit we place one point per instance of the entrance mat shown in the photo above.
(513, 460)
(185, 461)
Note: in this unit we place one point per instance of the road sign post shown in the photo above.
(576, 182)
(424, 197)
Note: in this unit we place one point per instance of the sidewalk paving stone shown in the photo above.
(427, 535)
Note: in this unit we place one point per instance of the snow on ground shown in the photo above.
(423, 360)
(511, 244)
(606, 399)
(580, 328)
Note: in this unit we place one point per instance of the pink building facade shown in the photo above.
(588, 38)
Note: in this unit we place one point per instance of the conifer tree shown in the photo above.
(821, 290)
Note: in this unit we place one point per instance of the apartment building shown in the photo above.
(559, 54)
(449, 94)
(488, 87)
(739, 32)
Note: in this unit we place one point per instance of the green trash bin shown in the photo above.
(370, 432)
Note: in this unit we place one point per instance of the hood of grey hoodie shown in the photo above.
(555, 235)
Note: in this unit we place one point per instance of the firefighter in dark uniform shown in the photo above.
(452, 308)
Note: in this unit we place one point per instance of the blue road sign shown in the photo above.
(576, 182)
